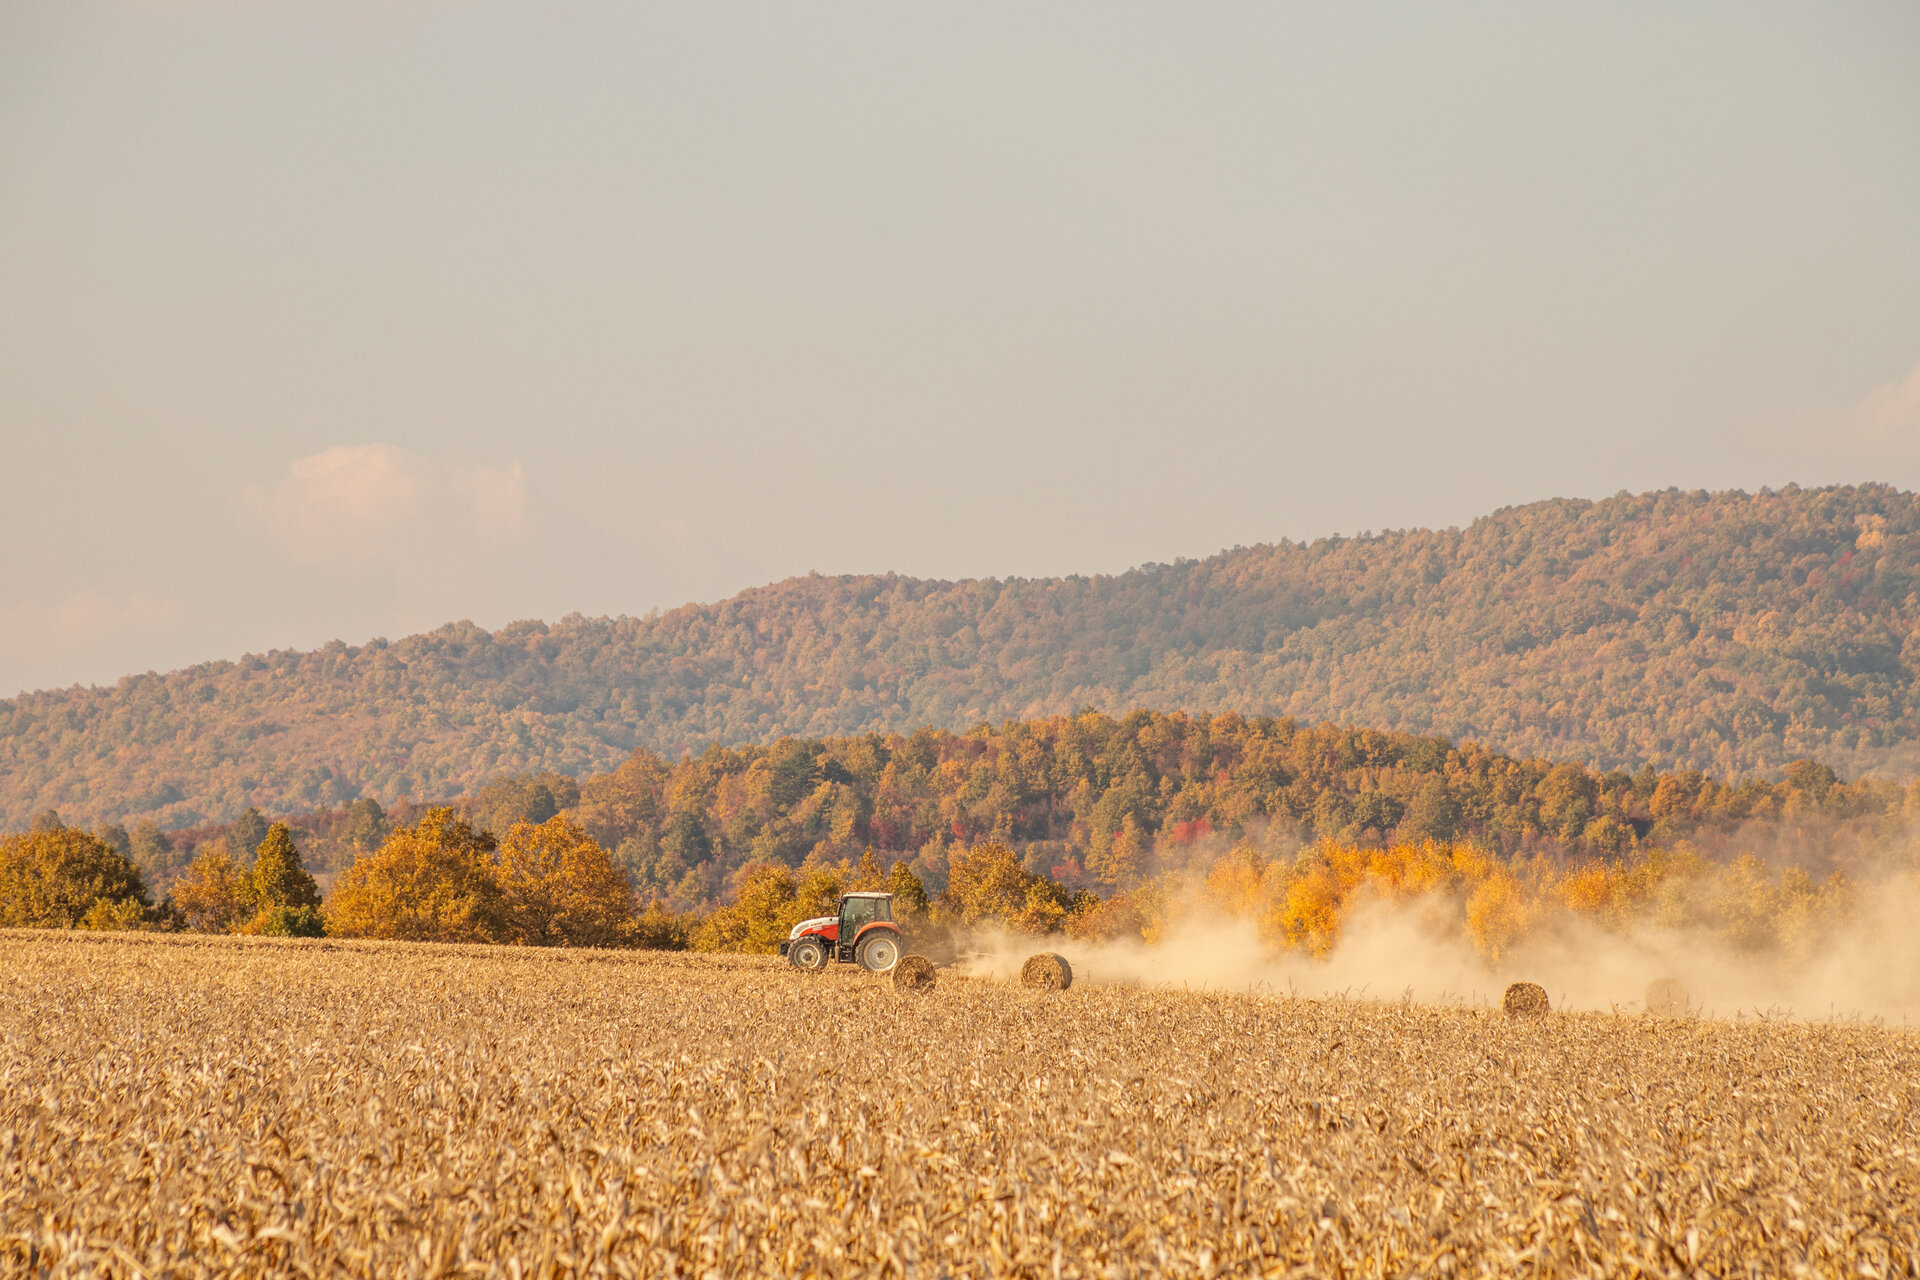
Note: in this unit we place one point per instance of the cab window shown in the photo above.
(856, 911)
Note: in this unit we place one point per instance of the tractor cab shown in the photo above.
(858, 910)
(862, 932)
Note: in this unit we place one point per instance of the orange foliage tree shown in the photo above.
(431, 882)
(559, 887)
(1304, 903)
(213, 894)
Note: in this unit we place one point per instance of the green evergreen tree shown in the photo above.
(278, 879)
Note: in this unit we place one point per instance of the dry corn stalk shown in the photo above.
(256, 1107)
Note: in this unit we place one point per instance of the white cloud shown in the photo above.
(354, 507)
(359, 541)
(1876, 437)
(1890, 415)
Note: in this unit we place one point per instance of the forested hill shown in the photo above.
(1731, 632)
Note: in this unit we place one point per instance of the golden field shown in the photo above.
(187, 1106)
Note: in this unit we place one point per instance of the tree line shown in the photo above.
(440, 880)
(1103, 804)
(1055, 823)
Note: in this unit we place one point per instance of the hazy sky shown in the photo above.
(345, 319)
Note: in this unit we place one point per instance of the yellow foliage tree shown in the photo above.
(909, 895)
(658, 929)
(1311, 912)
(560, 888)
(1121, 859)
(1497, 915)
(770, 902)
(110, 914)
(987, 885)
(213, 893)
(431, 882)
(1126, 917)
(62, 878)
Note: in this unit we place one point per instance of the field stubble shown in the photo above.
(233, 1106)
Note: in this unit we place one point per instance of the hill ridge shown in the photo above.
(1729, 631)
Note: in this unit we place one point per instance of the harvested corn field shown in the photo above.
(253, 1106)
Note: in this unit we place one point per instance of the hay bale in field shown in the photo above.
(1666, 998)
(1046, 972)
(913, 973)
(1525, 1000)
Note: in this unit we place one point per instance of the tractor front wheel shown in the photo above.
(809, 954)
(879, 953)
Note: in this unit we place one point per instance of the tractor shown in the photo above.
(863, 933)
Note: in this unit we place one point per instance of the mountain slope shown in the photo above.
(1728, 631)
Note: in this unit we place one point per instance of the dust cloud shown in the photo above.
(1422, 951)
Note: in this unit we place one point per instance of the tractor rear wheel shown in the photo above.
(879, 953)
(809, 954)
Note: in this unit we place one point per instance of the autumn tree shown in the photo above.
(559, 887)
(214, 893)
(153, 850)
(987, 885)
(619, 806)
(431, 882)
(63, 878)
(1433, 815)
(247, 831)
(366, 824)
(909, 894)
(1124, 858)
(528, 798)
(1124, 918)
(658, 929)
(772, 899)
(285, 899)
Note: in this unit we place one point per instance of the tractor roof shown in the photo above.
(865, 893)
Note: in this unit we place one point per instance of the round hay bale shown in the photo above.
(1666, 998)
(1046, 972)
(913, 973)
(1525, 1000)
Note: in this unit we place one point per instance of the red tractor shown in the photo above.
(863, 932)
